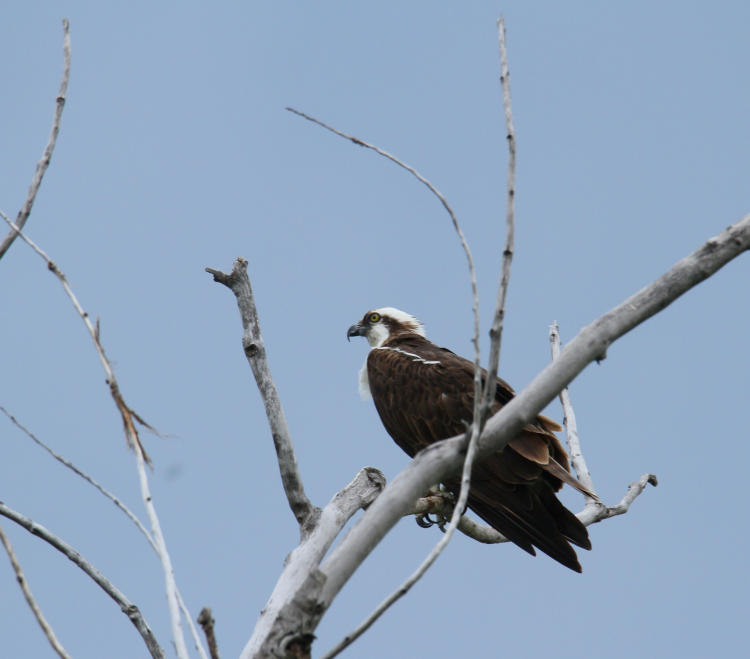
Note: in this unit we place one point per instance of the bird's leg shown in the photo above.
(435, 508)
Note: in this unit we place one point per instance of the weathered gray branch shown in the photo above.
(126, 606)
(571, 427)
(496, 330)
(43, 163)
(255, 351)
(596, 512)
(114, 499)
(592, 513)
(26, 590)
(283, 620)
(444, 458)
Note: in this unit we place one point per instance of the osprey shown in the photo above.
(424, 393)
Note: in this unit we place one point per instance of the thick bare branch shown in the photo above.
(41, 166)
(255, 351)
(432, 464)
(272, 636)
(126, 606)
(21, 579)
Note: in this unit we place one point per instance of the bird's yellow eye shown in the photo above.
(374, 317)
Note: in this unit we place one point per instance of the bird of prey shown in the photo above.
(424, 393)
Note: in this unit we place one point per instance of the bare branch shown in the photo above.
(126, 606)
(439, 460)
(21, 579)
(571, 427)
(43, 163)
(206, 621)
(129, 419)
(592, 513)
(596, 512)
(476, 427)
(431, 188)
(496, 331)
(170, 583)
(193, 630)
(406, 586)
(255, 351)
(482, 403)
(114, 499)
(272, 636)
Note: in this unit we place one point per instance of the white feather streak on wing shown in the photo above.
(415, 358)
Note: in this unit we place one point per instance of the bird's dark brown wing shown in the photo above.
(424, 393)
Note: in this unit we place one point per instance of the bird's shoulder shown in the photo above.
(408, 350)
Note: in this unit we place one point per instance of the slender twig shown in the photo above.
(592, 513)
(482, 402)
(129, 419)
(126, 606)
(571, 427)
(596, 512)
(255, 351)
(114, 499)
(43, 163)
(193, 629)
(170, 583)
(431, 187)
(21, 579)
(475, 428)
(207, 622)
(496, 331)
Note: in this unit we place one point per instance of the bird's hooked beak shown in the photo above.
(356, 330)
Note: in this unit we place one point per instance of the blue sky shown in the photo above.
(176, 154)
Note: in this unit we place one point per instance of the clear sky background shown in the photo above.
(176, 154)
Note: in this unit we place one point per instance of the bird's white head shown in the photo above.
(379, 325)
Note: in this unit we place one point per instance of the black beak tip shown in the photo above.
(354, 330)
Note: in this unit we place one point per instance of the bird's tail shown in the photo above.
(531, 517)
